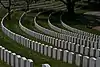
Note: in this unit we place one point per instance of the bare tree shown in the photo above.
(70, 5)
(8, 7)
(28, 2)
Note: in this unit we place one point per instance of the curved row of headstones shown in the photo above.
(82, 49)
(16, 59)
(49, 5)
(62, 55)
(68, 32)
(79, 31)
(54, 52)
(71, 39)
(44, 5)
(95, 13)
(81, 37)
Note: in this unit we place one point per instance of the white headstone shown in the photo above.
(29, 45)
(87, 44)
(69, 45)
(66, 45)
(50, 51)
(38, 47)
(45, 65)
(42, 46)
(18, 61)
(29, 63)
(85, 61)
(48, 39)
(84, 42)
(32, 45)
(59, 54)
(45, 50)
(5, 55)
(73, 47)
(98, 62)
(2, 53)
(59, 43)
(77, 48)
(9, 57)
(13, 59)
(92, 51)
(95, 45)
(91, 44)
(53, 41)
(62, 43)
(78, 59)
(70, 57)
(65, 55)
(97, 53)
(82, 49)
(92, 62)
(56, 42)
(86, 50)
(23, 62)
(54, 53)
(35, 46)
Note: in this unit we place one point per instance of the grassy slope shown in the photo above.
(2, 64)
(37, 58)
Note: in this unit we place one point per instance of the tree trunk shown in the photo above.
(27, 6)
(9, 10)
(9, 14)
(89, 2)
(70, 7)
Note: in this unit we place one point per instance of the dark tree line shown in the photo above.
(9, 3)
(70, 4)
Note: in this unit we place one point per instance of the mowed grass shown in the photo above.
(3, 64)
(23, 51)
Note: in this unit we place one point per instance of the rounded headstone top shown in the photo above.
(55, 48)
(6, 50)
(30, 60)
(24, 58)
(39, 43)
(13, 54)
(18, 56)
(0, 46)
(3, 48)
(9, 51)
(50, 46)
(45, 65)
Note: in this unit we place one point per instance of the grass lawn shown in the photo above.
(17, 48)
(2, 64)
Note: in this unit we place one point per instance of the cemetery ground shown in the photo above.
(21, 50)
(28, 22)
(2, 64)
